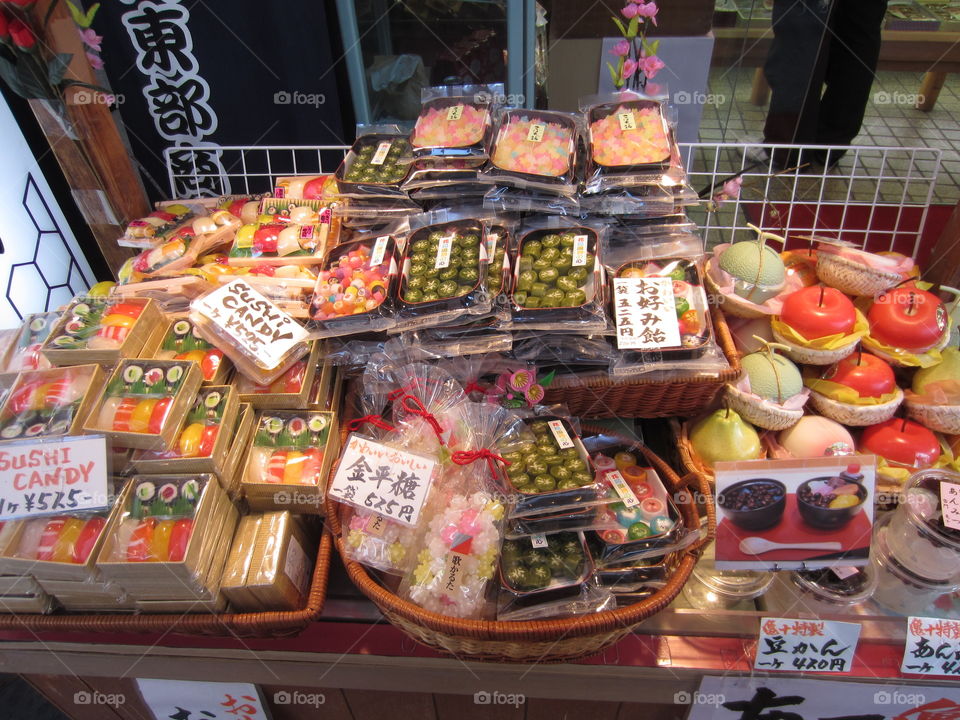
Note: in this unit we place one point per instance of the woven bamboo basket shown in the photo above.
(542, 640)
(249, 624)
(611, 397)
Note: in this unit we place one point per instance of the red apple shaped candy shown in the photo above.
(818, 311)
(265, 237)
(908, 318)
(313, 190)
(867, 374)
(903, 442)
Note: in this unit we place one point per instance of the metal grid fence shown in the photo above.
(875, 197)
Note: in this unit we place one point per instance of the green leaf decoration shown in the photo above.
(548, 378)
(58, 68)
(83, 19)
(633, 27)
(654, 47)
(620, 25)
(614, 75)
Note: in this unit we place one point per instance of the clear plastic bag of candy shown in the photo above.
(25, 353)
(181, 248)
(545, 576)
(376, 165)
(444, 274)
(287, 232)
(98, 323)
(535, 150)
(45, 403)
(455, 121)
(460, 542)
(355, 288)
(558, 276)
(160, 225)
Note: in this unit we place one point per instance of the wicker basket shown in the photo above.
(940, 418)
(768, 416)
(611, 397)
(543, 640)
(854, 278)
(250, 624)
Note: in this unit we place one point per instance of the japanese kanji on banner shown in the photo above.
(378, 477)
(790, 645)
(646, 313)
(932, 647)
(189, 700)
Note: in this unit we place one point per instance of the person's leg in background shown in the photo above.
(851, 69)
(795, 69)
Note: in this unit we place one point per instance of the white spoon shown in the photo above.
(759, 546)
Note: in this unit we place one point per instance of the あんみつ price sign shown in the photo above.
(932, 647)
(55, 475)
(789, 645)
(383, 479)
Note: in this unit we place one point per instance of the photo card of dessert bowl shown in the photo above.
(795, 514)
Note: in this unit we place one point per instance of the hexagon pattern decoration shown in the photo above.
(53, 270)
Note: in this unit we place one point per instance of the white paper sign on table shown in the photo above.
(188, 699)
(54, 475)
(950, 504)
(791, 645)
(374, 476)
(646, 313)
(256, 324)
(932, 647)
(737, 697)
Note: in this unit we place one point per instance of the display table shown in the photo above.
(350, 652)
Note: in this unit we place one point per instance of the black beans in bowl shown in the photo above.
(754, 504)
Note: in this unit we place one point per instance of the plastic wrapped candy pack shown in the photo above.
(452, 124)
(158, 523)
(181, 342)
(99, 324)
(181, 248)
(61, 539)
(289, 390)
(376, 165)
(629, 134)
(354, 286)
(287, 232)
(157, 227)
(534, 150)
(49, 402)
(144, 402)
(25, 354)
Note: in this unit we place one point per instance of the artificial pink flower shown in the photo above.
(650, 65)
(629, 68)
(90, 38)
(630, 11)
(96, 62)
(621, 48)
(648, 10)
(731, 188)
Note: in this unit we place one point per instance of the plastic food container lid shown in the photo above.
(882, 557)
(921, 503)
(734, 584)
(825, 586)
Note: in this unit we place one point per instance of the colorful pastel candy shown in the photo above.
(643, 144)
(350, 286)
(435, 128)
(516, 149)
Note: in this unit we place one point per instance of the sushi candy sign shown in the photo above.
(50, 476)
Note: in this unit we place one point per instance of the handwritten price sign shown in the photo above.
(932, 647)
(645, 313)
(255, 324)
(387, 480)
(42, 477)
(788, 645)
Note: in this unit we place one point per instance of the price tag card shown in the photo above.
(381, 154)
(932, 647)
(455, 112)
(379, 250)
(560, 434)
(950, 504)
(443, 252)
(55, 475)
(645, 313)
(376, 477)
(627, 120)
(255, 324)
(623, 489)
(788, 645)
(579, 251)
(190, 699)
(535, 133)
(538, 540)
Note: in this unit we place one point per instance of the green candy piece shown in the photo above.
(538, 577)
(575, 463)
(541, 264)
(538, 289)
(516, 576)
(638, 531)
(582, 478)
(532, 302)
(550, 241)
(468, 276)
(553, 298)
(579, 274)
(520, 298)
(677, 274)
(549, 276)
(567, 240)
(520, 479)
(575, 298)
(415, 282)
(560, 472)
(532, 248)
(463, 289)
(413, 295)
(544, 483)
(448, 273)
(550, 254)
(419, 269)
(430, 284)
(525, 280)
(682, 306)
(570, 453)
(536, 466)
(567, 284)
(447, 289)
(430, 296)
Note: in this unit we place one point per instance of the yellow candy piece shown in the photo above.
(102, 289)
(189, 442)
(69, 533)
(160, 542)
(140, 418)
(844, 501)
(244, 236)
(294, 468)
(117, 321)
(176, 209)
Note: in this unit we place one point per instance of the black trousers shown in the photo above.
(821, 68)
